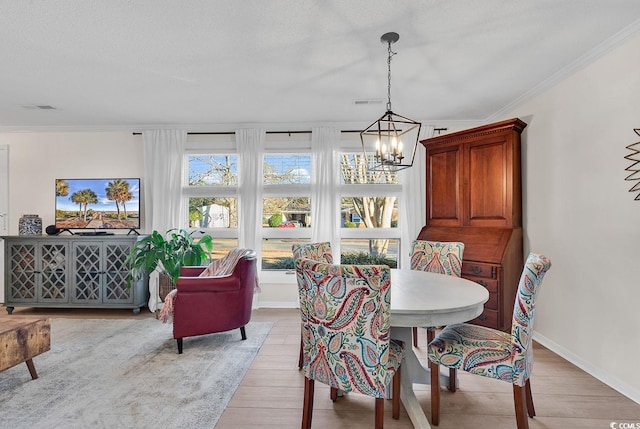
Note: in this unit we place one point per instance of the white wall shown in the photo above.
(4, 208)
(578, 211)
(37, 159)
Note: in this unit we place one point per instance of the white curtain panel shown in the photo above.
(163, 153)
(250, 143)
(325, 225)
(412, 204)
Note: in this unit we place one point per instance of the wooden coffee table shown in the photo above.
(21, 339)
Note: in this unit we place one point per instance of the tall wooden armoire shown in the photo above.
(474, 195)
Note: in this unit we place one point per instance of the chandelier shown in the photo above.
(390, 143)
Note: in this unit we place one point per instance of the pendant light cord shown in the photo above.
(391, 54)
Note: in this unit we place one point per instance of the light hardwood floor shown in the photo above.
(270, 395)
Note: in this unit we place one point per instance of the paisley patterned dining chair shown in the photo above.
(346, 339)
(321, 252)
(436, 257)
(492, 353)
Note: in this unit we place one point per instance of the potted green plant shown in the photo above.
(168, 253)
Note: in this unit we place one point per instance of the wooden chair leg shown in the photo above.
(435, 393)
(243, 333)
(307, 406)
(395, 399)
(520, 402)
(530, 408)
(452, 379)
(301, 357)
(32, 369)
(431, 334)
(379, 413)
(179, 341)
(415, 336)
(333, 394)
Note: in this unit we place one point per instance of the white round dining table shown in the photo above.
(424, 299)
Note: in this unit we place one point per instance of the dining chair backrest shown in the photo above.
(346, 332)
(523, 314)
(320, 251)
(437, 257)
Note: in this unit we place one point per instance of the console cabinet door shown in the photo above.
(87, 272)
(116, 272)
(100, 273)
(53, 262)
(21, 272)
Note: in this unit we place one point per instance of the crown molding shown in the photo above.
(580, 63)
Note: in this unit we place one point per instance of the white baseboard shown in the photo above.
(624, 388)
(277, 304)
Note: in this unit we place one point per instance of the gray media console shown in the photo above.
(70, 272)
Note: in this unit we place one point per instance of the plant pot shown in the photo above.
(164, 286)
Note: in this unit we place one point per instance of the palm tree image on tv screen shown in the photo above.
(98, 203)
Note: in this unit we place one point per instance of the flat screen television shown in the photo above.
(98, 204)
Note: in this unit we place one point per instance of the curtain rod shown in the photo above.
(221, 133)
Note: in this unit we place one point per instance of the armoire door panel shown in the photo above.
(487, 184)
(443, 177)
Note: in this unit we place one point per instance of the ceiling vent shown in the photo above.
(365, 102)
(40, 107)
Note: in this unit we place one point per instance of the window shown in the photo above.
(369, 213)
(213, 170)
(286, 212)
(287, 169)
(286, 207)
(210, 189)
(369, 228)
(370, 251)
(211, 177)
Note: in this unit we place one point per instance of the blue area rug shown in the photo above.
(127, 374)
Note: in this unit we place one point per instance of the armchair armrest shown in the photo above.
(191, 271)
(208, 284)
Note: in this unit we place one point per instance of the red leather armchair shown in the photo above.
(205, 305)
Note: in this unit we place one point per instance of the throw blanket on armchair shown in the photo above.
(218, 268)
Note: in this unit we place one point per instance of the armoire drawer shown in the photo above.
(492, 303)
(479, 269)
(490, 284)
(488, 318)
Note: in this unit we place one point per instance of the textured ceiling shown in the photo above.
(135, 64)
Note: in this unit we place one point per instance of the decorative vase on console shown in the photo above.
(30, 224)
